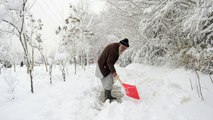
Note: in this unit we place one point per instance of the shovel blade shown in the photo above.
(131, 91)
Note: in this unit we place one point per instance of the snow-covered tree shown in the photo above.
(13, 15)
(62, 60)
(33, 33)
(9, 52)
(167, 30)
(117, 23)
(199, 29)
(75, 34)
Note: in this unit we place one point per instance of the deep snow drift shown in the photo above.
(166, 95)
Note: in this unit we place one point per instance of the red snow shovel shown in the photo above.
(130, 90)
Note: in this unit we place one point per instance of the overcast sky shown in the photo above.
(53, 13)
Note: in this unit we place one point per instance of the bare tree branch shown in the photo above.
(12, 25)
(126, 13)
(117, 7)
(119, 14)
(32, 5)
(139, 6)
(211, 78)
(8, 32)
(192, 2)
(134, 3)
(23, 10)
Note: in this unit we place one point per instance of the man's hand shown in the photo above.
(115, 75)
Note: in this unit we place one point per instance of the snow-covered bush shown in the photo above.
(167, 31)
(62, 60)
(11, 81)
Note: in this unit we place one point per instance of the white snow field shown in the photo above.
(166, 94)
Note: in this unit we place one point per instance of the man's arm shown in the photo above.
(112, 58)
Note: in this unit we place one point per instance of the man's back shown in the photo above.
(108, 58)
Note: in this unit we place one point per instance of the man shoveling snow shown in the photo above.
(105, 69)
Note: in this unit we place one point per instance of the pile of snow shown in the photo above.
(166, 94)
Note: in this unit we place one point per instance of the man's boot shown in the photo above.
(108, 95)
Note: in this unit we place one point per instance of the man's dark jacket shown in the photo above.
(108, 58)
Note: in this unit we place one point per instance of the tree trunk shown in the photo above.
(191, 84)
(14, 67)
(45, 62)
(199, 86)
(31, 81)
(63, 73)
(210, 78)
(82, 61)
(87, 60)
(32, 64)
(75, 62)
(50, 73)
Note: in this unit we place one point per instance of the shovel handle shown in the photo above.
(117, 77)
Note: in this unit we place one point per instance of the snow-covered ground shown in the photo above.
(166, 94)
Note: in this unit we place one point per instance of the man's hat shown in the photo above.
(125, 42)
